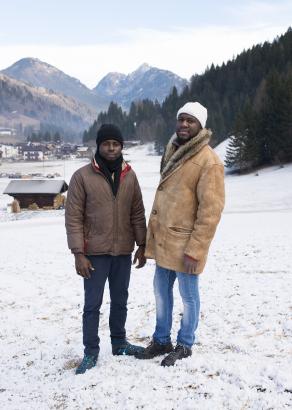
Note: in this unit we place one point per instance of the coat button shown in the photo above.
(154, 212)
(160, 188)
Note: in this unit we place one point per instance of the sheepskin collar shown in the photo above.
(174, 157)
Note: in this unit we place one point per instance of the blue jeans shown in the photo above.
(117, 270)
(189, 291)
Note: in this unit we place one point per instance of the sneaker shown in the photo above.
(180, 352)
(154, 349)
(126, 349)
(87, 363)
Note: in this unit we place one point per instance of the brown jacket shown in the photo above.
(186, 210)
(97, 222)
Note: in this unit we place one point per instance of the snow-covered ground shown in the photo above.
(242, 358)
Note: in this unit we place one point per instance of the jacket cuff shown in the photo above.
(77, 251)
(140, 237)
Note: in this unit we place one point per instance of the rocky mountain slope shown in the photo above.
(46, 106)
(145, 82)
(40, 74)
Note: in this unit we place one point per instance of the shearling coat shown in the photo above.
(99, 223)
(187, 205)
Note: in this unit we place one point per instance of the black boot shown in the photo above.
(180, 352)
(126, 349)
(154, 349)
(87, 363)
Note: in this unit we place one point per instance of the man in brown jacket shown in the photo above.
(186, 210)
(104, 218)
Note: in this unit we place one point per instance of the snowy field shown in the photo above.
(243, 355)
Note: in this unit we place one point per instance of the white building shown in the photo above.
(8, 151)
(4, 131)
(33, 153)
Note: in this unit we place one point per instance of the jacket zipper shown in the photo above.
(116, 220)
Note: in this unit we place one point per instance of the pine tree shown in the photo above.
(243, 151)
(276, 118)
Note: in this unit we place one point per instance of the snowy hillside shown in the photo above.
(221, 149)
(242, 358)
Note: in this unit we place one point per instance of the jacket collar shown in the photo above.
(175, 156)
(125, 167)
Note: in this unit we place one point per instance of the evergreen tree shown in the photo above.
(276, 118)
(57, 138)
(47, 136)
(243, 151)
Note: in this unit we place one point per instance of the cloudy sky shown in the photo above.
(88, 38)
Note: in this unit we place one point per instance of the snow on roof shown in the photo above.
(82, 149)
(39, 186)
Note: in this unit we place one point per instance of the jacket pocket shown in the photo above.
(180, 231)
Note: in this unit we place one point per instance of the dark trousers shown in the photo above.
(117, 270)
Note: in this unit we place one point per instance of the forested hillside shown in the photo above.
(45, 106)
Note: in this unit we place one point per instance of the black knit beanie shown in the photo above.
(109, 132)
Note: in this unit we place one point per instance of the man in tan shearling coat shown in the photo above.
(186, 211)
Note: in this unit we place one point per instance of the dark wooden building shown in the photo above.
(41, 191)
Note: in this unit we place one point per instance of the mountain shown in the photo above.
(145, 82)
(36, 91)
(110, 84)
(40, 74)
(30, 105)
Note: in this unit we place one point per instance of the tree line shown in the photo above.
(46, 136)
(248, 98)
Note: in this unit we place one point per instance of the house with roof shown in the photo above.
(84, 152)
(43, 193)
(8, 151)
(5, 131)
(33, 152)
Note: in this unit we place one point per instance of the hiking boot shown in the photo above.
(126, 349)
(154, 349)
(87, 363)
(180, 352)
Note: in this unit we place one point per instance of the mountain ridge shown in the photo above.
(144, 82)
(41, 74)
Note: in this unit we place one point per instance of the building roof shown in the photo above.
(33, 148)
(39, 186)
(82, 149)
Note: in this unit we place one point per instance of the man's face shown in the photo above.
(110, 150)
(187, 126)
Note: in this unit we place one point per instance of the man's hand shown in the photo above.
(83, 266)
(140, 256)
(190, 264)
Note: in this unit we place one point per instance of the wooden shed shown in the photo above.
(41, 192)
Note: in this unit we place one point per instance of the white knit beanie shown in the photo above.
(196, 110)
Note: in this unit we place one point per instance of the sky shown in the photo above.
(87, 39)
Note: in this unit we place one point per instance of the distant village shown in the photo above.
(38, 151)
(38, 191)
